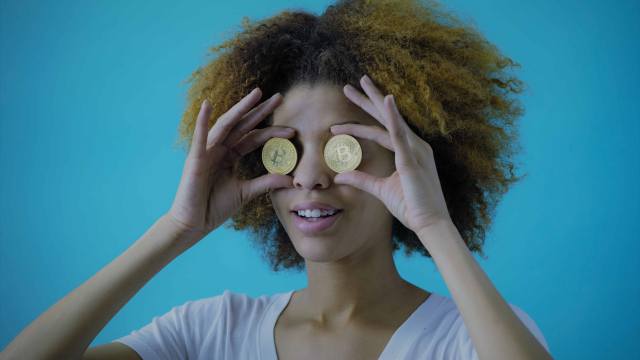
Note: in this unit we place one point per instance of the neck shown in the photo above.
(355, 287)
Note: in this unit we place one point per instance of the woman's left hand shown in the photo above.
(412, 193)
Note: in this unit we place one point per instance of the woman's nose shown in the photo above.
(311, 171)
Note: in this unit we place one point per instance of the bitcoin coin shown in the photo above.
(342, 153)
(279, 155)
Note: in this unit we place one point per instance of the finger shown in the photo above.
(252, 141)
(374, 133)
(374, 94)
(360, 180)
(228, 120)
(199, 140)
(399, 139)
(249, 189)
(253, 118)
(257, 137)
(363, 102)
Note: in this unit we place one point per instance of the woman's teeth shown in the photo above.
(315, 213)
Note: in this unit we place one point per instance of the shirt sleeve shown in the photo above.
(466, 349)
(176, 334)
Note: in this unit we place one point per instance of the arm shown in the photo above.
(496, 331)
(66, 329)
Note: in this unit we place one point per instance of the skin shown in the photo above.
(353, 286)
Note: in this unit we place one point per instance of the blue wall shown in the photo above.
(90, 99)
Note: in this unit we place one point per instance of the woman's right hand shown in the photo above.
(209, 193)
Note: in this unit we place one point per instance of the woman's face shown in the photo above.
(364, 222)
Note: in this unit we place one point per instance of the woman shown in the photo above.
(450, 108)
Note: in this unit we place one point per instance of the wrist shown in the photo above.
(180, 234)
(436, 230)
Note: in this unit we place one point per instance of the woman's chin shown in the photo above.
(317, 249)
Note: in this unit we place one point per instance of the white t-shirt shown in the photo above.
(236, 326)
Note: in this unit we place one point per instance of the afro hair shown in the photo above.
(451, 85)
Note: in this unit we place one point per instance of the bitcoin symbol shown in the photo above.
(277, 157)
(343, 153)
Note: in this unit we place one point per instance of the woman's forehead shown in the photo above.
(309, 108)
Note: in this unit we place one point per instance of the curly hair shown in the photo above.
(451, 86)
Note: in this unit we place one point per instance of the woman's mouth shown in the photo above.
(314, 225)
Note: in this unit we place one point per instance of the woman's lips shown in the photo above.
(315, 226)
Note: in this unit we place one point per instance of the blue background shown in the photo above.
(91, 96)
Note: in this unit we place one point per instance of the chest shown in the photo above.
(309, 344)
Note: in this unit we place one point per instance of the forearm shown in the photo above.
(68, 327)
(496, 331)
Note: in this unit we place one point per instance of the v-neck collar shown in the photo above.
(397, 345)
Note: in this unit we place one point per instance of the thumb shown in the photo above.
(260, 185)
(360, 180)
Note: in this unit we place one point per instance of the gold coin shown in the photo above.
(342, 153)
(279, 155)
